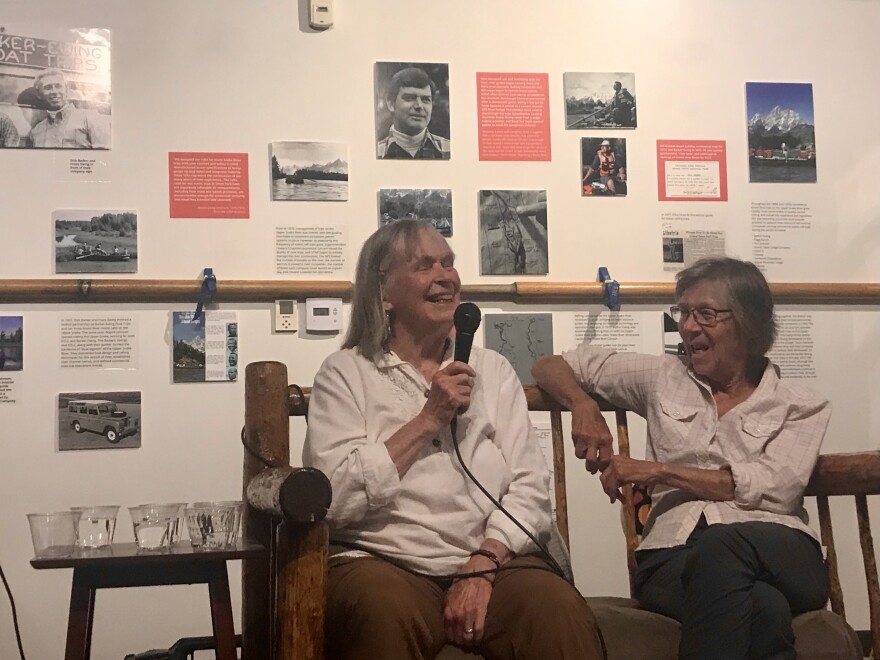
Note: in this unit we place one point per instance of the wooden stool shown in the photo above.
(122, 565)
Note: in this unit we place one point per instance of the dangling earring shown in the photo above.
(388, 333)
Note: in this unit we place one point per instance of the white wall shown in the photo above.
(234, 76)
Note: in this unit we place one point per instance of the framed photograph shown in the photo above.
(600, 100)
(412, 111)
(99, 420)
(521, 338)
(11, 343)
(431, 205)
(513, 232)
(603, 167)
(311, 171)
(782, 134)
(55, 88)
(204, 348)
(95, 241)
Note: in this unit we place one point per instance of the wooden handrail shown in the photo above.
(42, 291)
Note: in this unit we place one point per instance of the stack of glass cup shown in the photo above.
(154, 524)
(213, 525)
(96, 525)
(54, 534)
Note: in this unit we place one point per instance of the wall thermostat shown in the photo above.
(320, 14)
(285, 316)
(324, 314)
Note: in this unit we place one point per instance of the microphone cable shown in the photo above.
(453, 426)
(14, 613)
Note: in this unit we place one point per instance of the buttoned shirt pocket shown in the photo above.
(758, 430)
(677, 423)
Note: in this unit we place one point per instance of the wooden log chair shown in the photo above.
(289, 623)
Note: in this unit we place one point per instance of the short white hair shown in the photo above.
(45, 73)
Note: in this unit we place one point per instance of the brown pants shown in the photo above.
(376, 611)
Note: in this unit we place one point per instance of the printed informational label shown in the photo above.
(8, 389)
(208, 185)
(692, 170)
(513, 114)
(310, 250)
(99, 342)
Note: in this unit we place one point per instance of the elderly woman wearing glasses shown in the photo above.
(726, 548)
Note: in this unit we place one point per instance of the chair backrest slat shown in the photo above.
(870, 569)
(826, 532)
(558, 440)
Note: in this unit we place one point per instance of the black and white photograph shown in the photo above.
(672, 344)
(54, 88)
(603, 167)
(99, 420)
(11, 343)
(513, 232)
(412, 111)
(310, 171)
(600, 100)
(95, 241)
(673, 250)
(432, 205)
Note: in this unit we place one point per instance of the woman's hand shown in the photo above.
(590, 434)
(623, 470)
(467, 602)
(450, 393)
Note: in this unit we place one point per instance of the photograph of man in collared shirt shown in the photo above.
(55, 88)
(412, 111)
(66, 126)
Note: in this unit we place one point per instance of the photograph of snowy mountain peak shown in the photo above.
(782, 134)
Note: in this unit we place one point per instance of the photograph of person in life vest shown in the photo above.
(603, 166)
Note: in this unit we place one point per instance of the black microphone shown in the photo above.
(467, 319)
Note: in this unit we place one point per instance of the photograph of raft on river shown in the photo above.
(430, 205)
(782, 133)
(311, 171)
(95, 241)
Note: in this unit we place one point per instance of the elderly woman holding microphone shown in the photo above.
(726, 549)
(420, 557)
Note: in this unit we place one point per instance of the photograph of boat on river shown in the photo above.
(95, 241)
(599, 100)
(310, 171)
(433, 205)
(782, 132)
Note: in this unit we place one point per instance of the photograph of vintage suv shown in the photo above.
(113, 415)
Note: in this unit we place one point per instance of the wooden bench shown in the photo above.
(289, 624)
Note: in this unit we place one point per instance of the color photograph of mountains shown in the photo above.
(782, 132)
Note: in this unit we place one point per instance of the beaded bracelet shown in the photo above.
(488, 554)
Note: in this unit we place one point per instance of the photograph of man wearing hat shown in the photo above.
(611, 169)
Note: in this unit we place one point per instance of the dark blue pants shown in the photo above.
(734, 588)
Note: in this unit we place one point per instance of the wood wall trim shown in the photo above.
(42, 291)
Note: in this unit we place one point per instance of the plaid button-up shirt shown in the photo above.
(769, 442)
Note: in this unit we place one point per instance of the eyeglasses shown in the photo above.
(705, 316)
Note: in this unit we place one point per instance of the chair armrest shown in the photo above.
(846, 474)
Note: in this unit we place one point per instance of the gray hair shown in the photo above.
(45, 73)
(748, 296)
(367, 328)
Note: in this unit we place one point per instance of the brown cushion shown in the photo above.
(630, 633)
